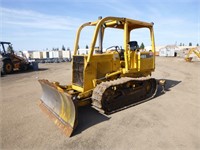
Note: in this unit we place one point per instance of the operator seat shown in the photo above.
(133, 45)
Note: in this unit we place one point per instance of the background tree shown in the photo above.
(190, 44)
(142, 46)
(197, 44)
(63, 47)
(86, 47)
(181, 44)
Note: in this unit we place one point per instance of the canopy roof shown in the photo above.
(116, 22)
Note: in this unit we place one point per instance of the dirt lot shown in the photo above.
(170, 121)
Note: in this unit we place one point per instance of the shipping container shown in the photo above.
(55, 54)
(66, 54)
(45, 54)
(37, 55)
(28, 54)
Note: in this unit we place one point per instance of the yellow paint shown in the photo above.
(67, 110)
(192, 50)
(96, 68)
(100, 66)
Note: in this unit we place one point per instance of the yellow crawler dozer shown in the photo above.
(109, 80)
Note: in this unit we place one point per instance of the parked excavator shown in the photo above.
(109, 80)
(11, 61)
(194, 50)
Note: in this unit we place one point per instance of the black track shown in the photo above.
(114, 95)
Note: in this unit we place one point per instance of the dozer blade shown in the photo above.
(59, 106)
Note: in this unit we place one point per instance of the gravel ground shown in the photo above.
(170, 121)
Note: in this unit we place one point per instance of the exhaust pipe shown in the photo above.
(100, 37)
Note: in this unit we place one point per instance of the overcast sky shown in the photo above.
(41, 24)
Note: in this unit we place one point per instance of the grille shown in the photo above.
(78, 67)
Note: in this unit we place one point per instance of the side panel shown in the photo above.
(141, 62)
(146, 61)
(98, 67)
